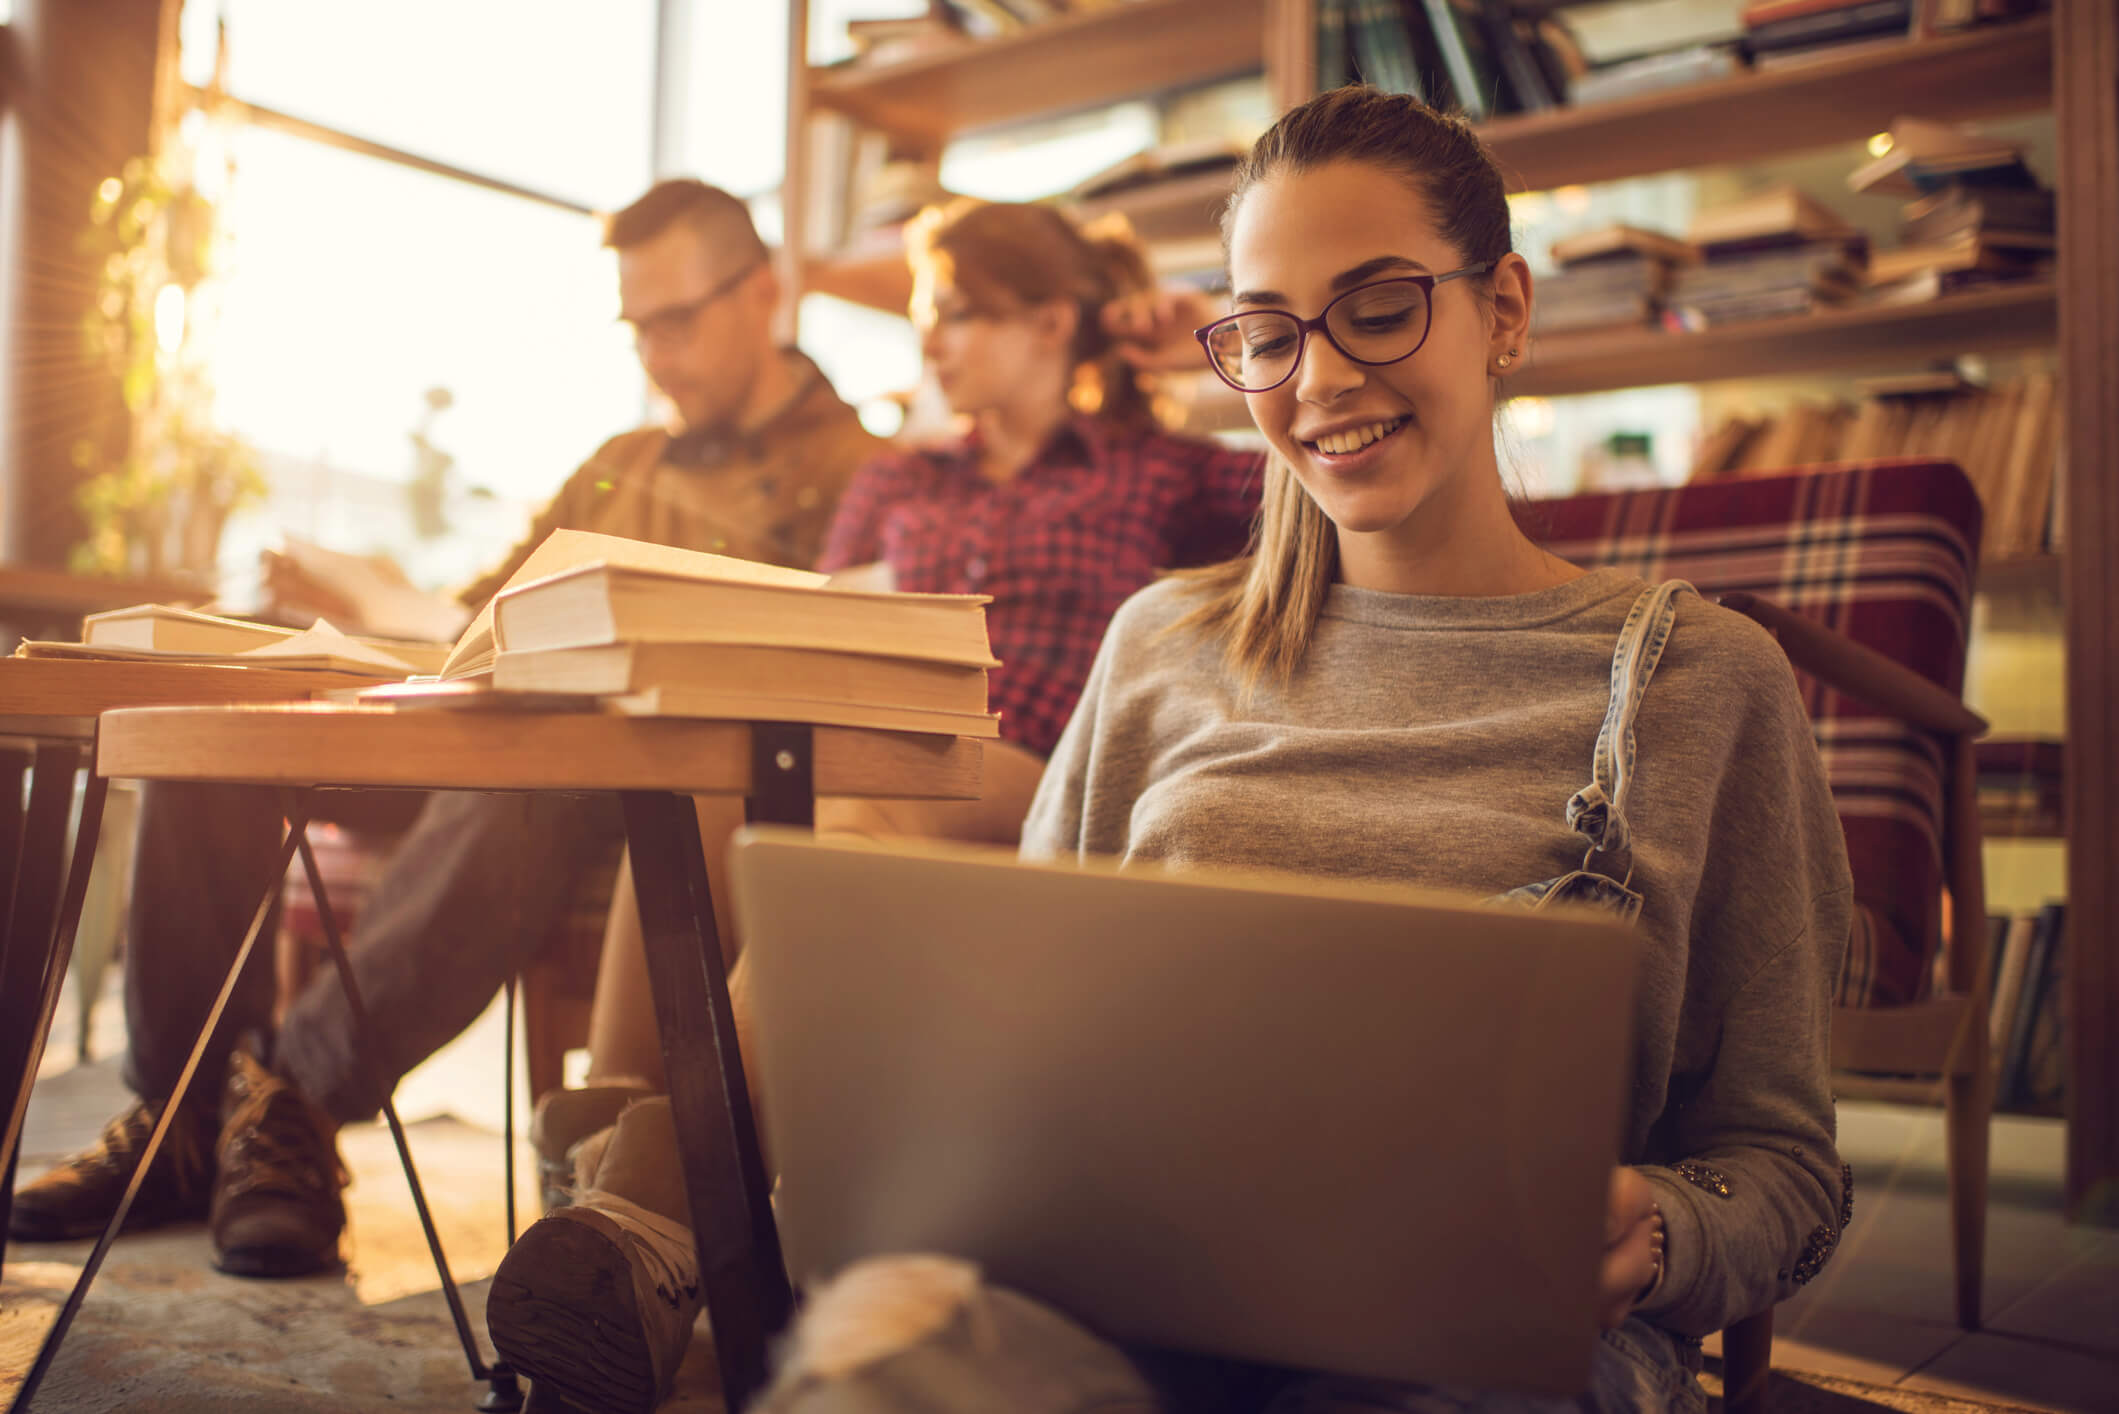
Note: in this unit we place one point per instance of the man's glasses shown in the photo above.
(675, 320)
(1373, 324)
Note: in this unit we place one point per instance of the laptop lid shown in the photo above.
(1350, 1129)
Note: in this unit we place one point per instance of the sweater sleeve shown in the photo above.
(1056, 827)
(1753, 1193)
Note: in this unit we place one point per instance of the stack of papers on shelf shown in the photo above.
(728, 638)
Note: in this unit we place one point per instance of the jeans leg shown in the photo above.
(202, 859)
(924, 1335)
(469, 896)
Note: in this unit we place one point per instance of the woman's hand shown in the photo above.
(1153, 329)
(1633, 1246)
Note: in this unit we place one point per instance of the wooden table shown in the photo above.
(654, 764)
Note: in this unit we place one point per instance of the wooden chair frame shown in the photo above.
(1943, 1036)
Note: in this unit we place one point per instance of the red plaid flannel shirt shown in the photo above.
(1059, 547)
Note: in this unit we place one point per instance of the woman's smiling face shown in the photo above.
(1371, 444)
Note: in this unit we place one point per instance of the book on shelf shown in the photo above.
(2009, 972)
(1452, 33)
(1652, 73)
(1969, 253)
(2023, 1011)
(1530, 87)
(1828, 25)
(1779, 215)
(602, 603)
(1620, 241)
(1163, 163)
(2017, 218)
(1924, 155)
(2035, 1073)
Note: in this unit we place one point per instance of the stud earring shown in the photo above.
(1503, 360)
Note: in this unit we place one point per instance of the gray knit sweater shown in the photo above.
(1436, 740)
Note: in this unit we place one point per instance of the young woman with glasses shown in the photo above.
(1398, 685)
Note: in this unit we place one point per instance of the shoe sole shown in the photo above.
(270, 1263)
(577, 1337)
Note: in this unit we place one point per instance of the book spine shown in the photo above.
(1871, 17)
(1456, 57)
(1527, 83)
(1332, 60)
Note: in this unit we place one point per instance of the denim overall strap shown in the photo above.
(1598, 810)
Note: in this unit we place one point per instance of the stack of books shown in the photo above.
(732, 639)
(1977, 216)
(1612, 276)
(1777, 253)
(1477, 55)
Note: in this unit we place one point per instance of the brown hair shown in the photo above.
(721, 220)
(1006, 256)
(1264, 607)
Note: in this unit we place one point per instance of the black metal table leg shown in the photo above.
(49, 1351)
(29, 976)
(501, 1391)
(741, 1272)
(14, 775)
(22, 1044)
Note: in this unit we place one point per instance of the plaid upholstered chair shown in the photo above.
(1864, 574)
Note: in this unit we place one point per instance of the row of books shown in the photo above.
(2025, 966)
(1777, 34)
(2020, 785)
(604, 623)
(1483, 56)
(1977, 217)
(2007, 437)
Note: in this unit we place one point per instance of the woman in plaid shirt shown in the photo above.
(1064, 495)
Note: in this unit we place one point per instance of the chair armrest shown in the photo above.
(1841, 663)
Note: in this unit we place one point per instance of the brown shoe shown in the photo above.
(276, 1209)
(75, 1199)
(595, 1302)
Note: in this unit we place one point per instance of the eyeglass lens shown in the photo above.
(1379, 323)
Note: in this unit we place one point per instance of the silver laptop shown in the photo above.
(1345, 1129)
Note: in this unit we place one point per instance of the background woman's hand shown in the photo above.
(1153, 329)
(1633, 1246)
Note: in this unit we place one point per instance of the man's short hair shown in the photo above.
(722, 221)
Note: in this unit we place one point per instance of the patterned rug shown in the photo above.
(163, 1334)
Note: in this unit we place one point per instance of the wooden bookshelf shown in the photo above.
(1985, 72)
(1985, 321)
(1076, 61)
